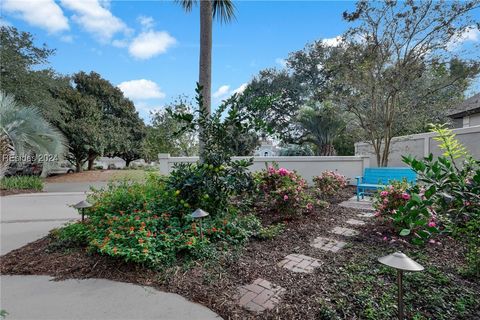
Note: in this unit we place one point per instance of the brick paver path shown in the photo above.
(328, 244)
(299, 263)
(366, 215)
(345, 231)
(259, 296)
(355, 222)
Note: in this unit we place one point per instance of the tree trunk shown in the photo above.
(78, 166)
(127, 162)
(205, 65)
(327, 149)
(91, 158)
(90, 164)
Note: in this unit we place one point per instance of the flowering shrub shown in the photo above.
(145, 223)
(330, 182)
(285, 192)
(451, 192)
(394, 204)
(387, 201)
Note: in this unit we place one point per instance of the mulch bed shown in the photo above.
(4, 192)
(215, 285)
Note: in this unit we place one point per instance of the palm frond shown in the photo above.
(186, 4)
(224, 10)
(27, 131)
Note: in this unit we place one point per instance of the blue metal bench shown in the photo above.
(377, 178)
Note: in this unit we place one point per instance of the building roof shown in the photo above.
(467, 107)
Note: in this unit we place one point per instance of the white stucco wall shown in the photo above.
(307, 167)
(421, 145)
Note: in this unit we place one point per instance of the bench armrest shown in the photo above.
(359, 179)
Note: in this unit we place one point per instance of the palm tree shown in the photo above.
(209, 9)
(23, 130)
(321, 124)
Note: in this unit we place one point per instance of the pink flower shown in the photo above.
(384, 193)
(283, 172)
(406, 196)
(432, 224)
(385, 201)
(385, 238)
(285, 197)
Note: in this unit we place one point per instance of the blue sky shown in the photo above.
(150, 48)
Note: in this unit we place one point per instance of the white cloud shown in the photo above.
(141, 89)
(332, 42)
(94, 17)
(151, 43)
(240, 89)
(225, 91)
(281, 62)
(221, 92)
(146, 22)
(45, 14)
(470, 34)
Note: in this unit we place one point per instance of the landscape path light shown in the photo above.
(401, 262)
(200, 214)
(81, 206)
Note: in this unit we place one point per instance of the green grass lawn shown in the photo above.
(132, 175)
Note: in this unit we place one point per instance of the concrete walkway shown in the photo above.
(27, 217)
(36, 297)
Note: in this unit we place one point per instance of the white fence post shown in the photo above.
(163, 159)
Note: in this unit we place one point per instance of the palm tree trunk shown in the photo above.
(205, 67)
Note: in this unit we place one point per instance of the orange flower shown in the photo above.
(115, 250)
(140, 241)
(145, 250)
(132, 228)
(149, 233)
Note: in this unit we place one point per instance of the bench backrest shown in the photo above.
(383, 175)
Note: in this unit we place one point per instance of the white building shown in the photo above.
(266, 149)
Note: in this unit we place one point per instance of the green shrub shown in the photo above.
(397, 204)
(72, 235)
(22, 182)
(329, 183)
(145, 223)
(450, 192)
(209, 186)
(283, 191)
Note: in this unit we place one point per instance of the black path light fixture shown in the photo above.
(81, 206)
(200, 214)
(401, 262)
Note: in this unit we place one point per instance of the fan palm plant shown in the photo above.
(224, 10)
(23, 130)
(321, 124)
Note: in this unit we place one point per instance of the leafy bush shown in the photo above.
(209, 186)
(21, 182)
(394, 203)
(330, 182)
(450, 192)
(149, 223)
(284, 192)
(72, 235)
